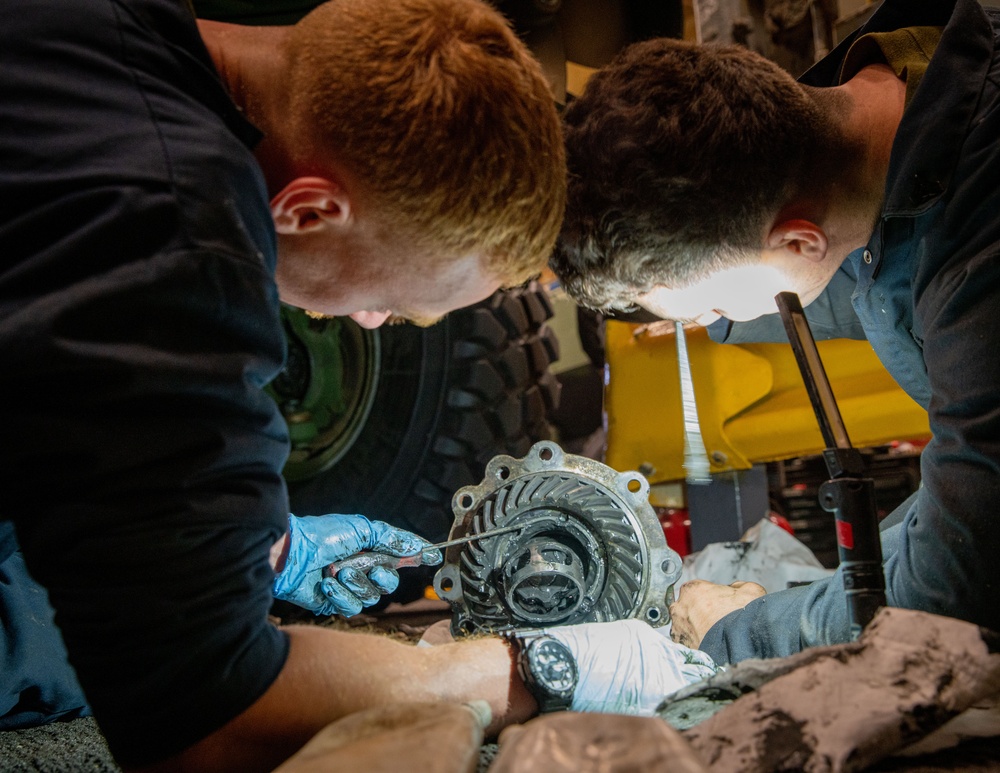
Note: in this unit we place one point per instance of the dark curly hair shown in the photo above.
(679, 155)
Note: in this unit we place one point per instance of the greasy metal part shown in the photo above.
(590, 547)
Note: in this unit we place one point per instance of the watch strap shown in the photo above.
(547, 668)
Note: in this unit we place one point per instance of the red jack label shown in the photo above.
(845, 535)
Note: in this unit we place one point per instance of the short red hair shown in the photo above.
(444, 116)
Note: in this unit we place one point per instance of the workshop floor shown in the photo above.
(77, 746)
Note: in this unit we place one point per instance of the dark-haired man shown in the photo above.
(705, 180)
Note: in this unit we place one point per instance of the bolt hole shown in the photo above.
(466, 501)
(447, 584)
(503, 473)
(652, 614)
(634, 485)
(545, 454)
(667, 566)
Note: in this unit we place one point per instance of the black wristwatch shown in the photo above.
(547, 668)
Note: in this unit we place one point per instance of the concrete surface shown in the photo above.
(76, 746)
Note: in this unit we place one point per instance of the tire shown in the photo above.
(442, 402)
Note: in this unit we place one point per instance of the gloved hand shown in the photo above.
(317, 541)
(629, 667)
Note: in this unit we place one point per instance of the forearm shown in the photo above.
(781, 623)
(330, 674)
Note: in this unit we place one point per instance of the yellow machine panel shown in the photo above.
(752, 403)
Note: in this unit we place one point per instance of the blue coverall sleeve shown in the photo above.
(783, 623)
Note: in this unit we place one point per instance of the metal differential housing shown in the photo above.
(590, 548)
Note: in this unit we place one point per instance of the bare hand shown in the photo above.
(701, 604)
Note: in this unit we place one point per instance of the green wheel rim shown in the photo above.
(326, 389)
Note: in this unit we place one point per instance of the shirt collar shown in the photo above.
(950, 87)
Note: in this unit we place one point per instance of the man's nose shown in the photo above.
(370, 319)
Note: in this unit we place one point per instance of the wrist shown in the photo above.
(546, 667)
(279, 553)
(295, 562)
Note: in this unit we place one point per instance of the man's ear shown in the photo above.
(799, 237)
(309, 204)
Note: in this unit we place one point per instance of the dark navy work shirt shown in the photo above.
(140, 459)
(927, 293)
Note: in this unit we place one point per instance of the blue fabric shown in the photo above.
(141, 459)
(39, 685)
(929, 302)
(788, 621)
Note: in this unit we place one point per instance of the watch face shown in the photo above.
(553, 666)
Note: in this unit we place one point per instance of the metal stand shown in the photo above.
(849, 495)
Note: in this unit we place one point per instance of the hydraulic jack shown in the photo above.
(849, 495)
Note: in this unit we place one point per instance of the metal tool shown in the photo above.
(370, 559)
(697, 467)
(849, 495)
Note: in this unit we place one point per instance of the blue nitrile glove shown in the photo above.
(317, 541)
(629, 667)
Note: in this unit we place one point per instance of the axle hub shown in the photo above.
(590, 547)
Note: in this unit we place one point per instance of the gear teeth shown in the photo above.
(592, 510)
(622, 559)
(614, 526)
(620, 599)
(532, 490)
(499, 504)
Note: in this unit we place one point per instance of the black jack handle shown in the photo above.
(849, 495)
